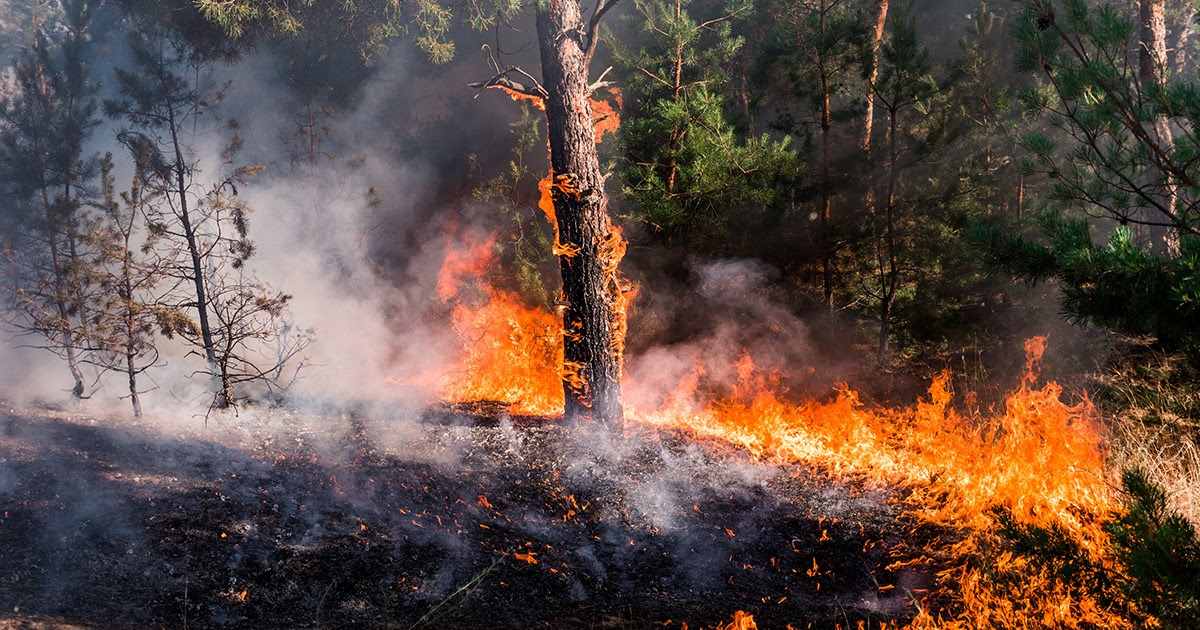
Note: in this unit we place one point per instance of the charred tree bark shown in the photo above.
(873, 74)
(593, 316)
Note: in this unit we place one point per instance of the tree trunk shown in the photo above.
(888, 297)
(189, 233)
(826, 192)
(130, 323)
(1020, 196)
(1180, 49)
(52, 229)
(676, 96)
(60, 284)
(593, 317)
(876, 40)
(1152, 66)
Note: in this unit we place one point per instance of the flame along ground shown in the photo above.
(1039, 457)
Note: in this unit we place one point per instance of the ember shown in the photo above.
(743, 330)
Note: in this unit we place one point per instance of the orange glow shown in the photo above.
(606, 118)
(461, 264)
(741, 621)
(521, 97)
(511, 351)
(1039, 457)
(509, 347)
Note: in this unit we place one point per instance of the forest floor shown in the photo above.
(461, 519)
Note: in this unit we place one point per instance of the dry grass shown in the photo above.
(1152, 403)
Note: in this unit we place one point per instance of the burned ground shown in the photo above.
(476, 521)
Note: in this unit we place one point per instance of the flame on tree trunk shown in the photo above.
(593, 318)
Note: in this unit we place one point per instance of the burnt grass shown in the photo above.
(479, 521)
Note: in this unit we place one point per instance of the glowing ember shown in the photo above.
(526, 557)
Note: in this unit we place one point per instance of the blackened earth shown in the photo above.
(465, 518)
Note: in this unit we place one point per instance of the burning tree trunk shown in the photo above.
(590, 248)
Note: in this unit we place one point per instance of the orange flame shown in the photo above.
(1039, 457)
(605, 117)
(522, 97)
(508, 345)
(741, 621)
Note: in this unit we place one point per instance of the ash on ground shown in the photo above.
(466, 518)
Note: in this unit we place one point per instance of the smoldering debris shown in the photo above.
(474, 521)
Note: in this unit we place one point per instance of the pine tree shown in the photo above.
(906, 83)
(687, 170)
(819, 47)
(43, 127)
(1107, 156)
(161, 105)
(241, 327)
(254, 338)
(127, 310)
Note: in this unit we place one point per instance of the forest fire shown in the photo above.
(289, 345)
(515, 351)
(1039, 458)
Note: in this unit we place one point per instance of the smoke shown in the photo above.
(728, 310)
(349, 218)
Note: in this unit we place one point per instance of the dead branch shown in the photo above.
(593, 28)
